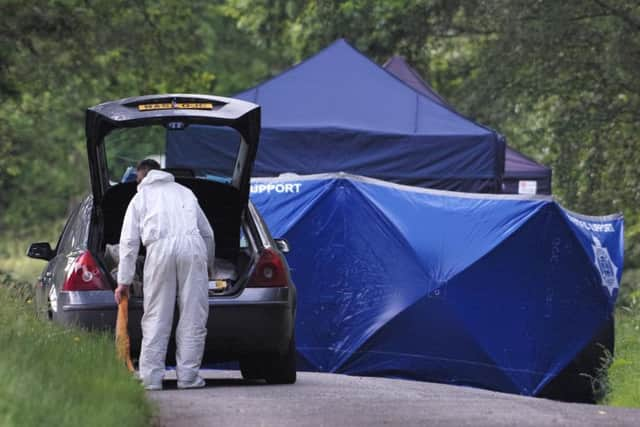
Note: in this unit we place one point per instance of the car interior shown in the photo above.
(221, 204)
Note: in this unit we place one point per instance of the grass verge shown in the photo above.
(623, 377)
(51, 375)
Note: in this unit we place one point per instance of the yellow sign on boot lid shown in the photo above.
(177, 105)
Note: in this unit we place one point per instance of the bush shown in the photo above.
(629, 296)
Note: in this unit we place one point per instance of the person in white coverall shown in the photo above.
(167, 218)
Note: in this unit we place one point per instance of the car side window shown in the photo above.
(75, 231)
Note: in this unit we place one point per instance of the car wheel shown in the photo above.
(250, 369)
(281, 368)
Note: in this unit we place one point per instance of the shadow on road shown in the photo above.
(217, 382)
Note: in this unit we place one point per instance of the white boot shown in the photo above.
(198, 382)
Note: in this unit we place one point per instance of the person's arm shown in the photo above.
(207, 235)
(129, 247)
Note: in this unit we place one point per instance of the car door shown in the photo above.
(73, 239)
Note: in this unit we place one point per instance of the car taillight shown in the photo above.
(270, 271)
(85, 275)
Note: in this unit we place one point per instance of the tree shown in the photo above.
(60, 57)
(559, 78)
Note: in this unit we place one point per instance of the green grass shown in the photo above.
(623, 381)
(624, 372)
(54, 376)
(13, 257)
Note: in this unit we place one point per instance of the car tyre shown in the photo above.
(250, 369)
(281, 368)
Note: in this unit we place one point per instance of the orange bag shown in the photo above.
(123, 346)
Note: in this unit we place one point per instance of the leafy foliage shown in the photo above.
(60, 57)
(557, 78)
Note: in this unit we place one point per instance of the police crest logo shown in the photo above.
(606, 267)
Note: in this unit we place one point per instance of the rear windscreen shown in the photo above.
(202, 151)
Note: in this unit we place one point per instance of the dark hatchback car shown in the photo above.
(252, 302)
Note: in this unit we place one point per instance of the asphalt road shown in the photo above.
(338, 400)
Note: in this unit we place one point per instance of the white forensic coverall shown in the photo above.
(180, 246)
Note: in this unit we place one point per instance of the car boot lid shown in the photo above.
(172, 110)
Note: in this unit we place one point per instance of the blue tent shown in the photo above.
(496, 291)
(521, 173)
(339, 111)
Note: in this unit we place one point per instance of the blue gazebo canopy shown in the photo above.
(517, 168)
(339, 111)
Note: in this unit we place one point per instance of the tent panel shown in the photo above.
(397, 66)
(350, 280)
(339, 87)
(428, 342)
(446, 233)
(550, 300)
(495, 291)
(445, 162)
(526, 184)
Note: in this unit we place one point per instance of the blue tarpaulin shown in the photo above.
(521, 174)
(500, 292)
(339, 111)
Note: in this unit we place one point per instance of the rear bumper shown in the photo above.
(257, 320)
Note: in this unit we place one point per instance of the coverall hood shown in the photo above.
(154, 176)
